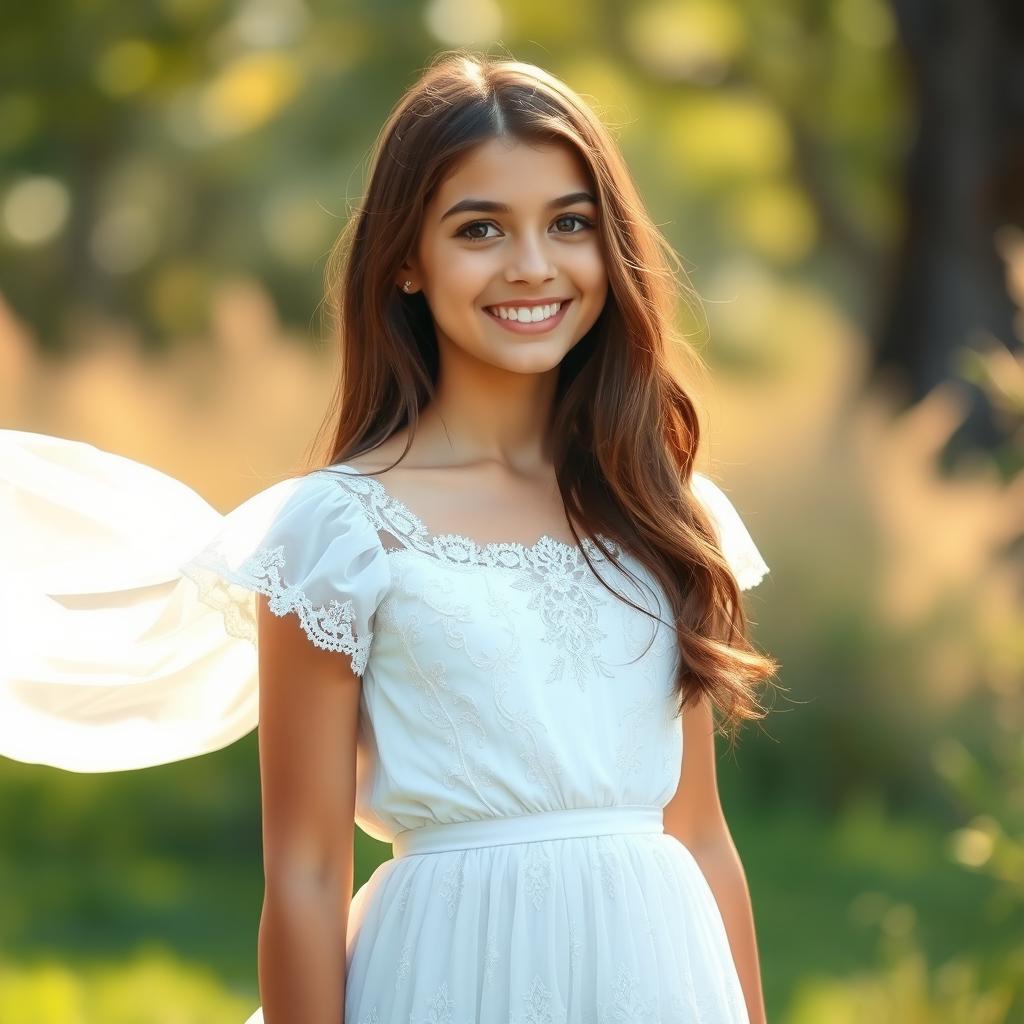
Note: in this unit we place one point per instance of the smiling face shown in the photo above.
(541, 249)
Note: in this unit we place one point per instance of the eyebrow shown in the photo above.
(489, 206)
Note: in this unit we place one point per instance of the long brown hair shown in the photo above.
(623, 432)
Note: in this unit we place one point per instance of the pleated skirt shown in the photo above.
(464, 926)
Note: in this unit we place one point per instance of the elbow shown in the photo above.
(712, 837)
(713, 849)
(298, 877)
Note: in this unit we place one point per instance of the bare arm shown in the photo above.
(309, 714)
(694, 816)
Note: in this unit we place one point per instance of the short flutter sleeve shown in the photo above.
(307, 545)
(128, 603)
(737, 545)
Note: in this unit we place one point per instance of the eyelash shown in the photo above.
(461, 233)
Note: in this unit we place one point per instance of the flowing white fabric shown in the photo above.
(109, 660)
(518, 738)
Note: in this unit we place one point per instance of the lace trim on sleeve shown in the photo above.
(230, 592)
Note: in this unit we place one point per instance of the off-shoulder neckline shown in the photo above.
(396, 517)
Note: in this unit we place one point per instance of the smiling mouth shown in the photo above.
(528, 325)
(524, 314)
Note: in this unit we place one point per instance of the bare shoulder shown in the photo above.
(385, 458)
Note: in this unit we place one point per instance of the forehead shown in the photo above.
(514, 172)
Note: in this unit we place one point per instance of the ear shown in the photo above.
(407, 274)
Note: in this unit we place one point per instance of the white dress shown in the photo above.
(517, 735)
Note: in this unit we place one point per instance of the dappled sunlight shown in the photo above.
(248, 92)
(224, 413)
(719, 137)
(845, 493)
(939, 533)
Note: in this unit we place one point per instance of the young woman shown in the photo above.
(536, 599)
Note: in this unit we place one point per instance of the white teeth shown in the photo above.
(533, 314)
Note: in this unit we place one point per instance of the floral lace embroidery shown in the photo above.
(457, 715)
(556, 575)
(625, 1000)
(237, 609)
(394, 517)
(542, 767)
(635, 727)
(327, 626)
(607, 871)
(625, 1004)
(443, 707)
(539, 1000)
(491, 960)
(539, 1008)
(440, 1008)
(453, 883)
(404, 963)
(538, 873)
(567, 595)
(701, 1006)
(660, 856)
(575, 946)
(403, 896)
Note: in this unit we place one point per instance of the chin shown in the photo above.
(532, 362)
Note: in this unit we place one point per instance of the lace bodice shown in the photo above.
(497, 677)
(394, 517)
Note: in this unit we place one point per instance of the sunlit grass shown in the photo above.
(151, 985)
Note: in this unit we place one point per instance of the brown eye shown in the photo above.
(574, 217)
(463, 232)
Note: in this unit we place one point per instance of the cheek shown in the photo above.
(462, 271)
(453, 271)
(592, 275)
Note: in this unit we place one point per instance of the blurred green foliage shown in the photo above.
(149, 151)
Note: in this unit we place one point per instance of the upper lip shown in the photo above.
(530, 302)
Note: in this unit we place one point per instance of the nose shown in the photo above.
(531, 261)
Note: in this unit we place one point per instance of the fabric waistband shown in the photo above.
(565, 823)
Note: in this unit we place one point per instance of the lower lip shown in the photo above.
(528, 326)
